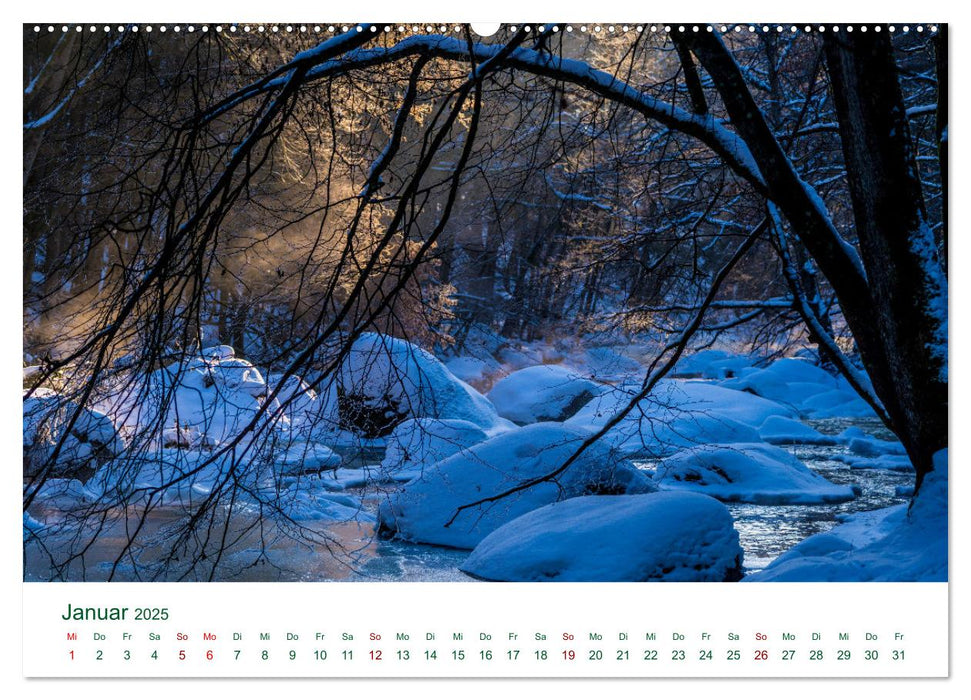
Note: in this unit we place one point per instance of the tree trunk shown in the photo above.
(896, 304)
(901, 257)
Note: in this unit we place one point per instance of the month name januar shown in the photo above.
(76, 613)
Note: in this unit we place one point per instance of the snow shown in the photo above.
(218, 352)
(903, 491)
(704, 397)
(651, 537)
(839, 403)
(389, 377)
(712, 364)
(420, 511)
(473, 370)
(315, 498)
(869, 452)
(892, 544)
(237, 374)
(312, 416)
(609, 365)
(187, 478)
(300, 457)
(924, 247)
(46, 416)
(542, 393)
(772, 381)
(32, 526)
(166, 477)
(418, 443)
(748, 473)
(800, 384)
(779, 430)
(897, 463)
(865, 445)
(678, 414)
(199, 402)
(62, 494)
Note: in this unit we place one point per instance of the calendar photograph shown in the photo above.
(438, 302)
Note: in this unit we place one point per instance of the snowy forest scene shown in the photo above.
(389, 302)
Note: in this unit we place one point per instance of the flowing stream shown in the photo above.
(352, 551)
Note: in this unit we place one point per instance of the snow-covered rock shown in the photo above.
(385, 380)
(92, 439)
(838, 403)
(32, 526)
(213, 413)
(313, 498)
(62, 494)
(312, 415)
(218, 352)
(166, 476)
(895, 463)
(542, 393)
(418, 443)
(892, 544)
(199, 402)
(677, 415)
(791, 370)
(903, 491)
(799, 383)
(651, 537)
(301, 457)
(859, 443)
(868, 452)
(474, 370)
(237, 374)
(748, 473)
(712, 364)
(779, 430)
(608, 365)
(421, 511)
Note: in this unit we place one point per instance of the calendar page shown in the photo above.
(436, 349)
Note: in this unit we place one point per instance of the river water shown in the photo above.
(326, 551)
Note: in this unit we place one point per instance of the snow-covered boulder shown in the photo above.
(791, 370)
(422, 509)
(748, 473)
(868, 452)
(238, 375)
(166, 476)
(859, 443)
(677, 415)
(799, 383)
(302, 457)
(312, 415)
(91, 440)
(198, 402)
(62, 494)
(418, 443)
(542, 393)
(315, 498)
(474, 370)
(891, 544)
(651, 537)
(894, 463)
(211, 412)
(294, 396)
(608, 365)
(779, 430)
(218, 352)
(384, 380)
(838, 403)
(712, 364)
